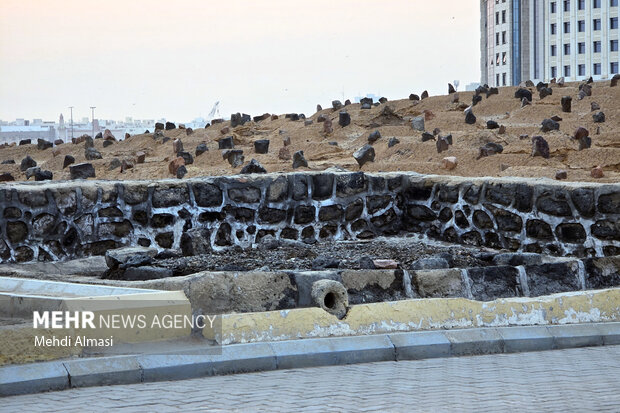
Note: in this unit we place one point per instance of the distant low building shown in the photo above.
(9, 134)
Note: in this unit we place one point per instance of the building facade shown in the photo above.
(542, 39)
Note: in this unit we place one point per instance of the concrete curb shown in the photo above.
(240, 358)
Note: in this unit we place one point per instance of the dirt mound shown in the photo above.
(393, 120)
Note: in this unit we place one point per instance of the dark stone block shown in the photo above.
(331, 213)
(500, 194)
(552, 278)
(162, 220)
(248, 194)
(240, 213)
(583, 199)
(261, 146)
(351, 184)
(304, 214)
(375, 203)
(482, 220)
(289, 233)
(226, 143)
(602, 272)
(554, 204)
(307, 235)
(207, 195)
(606, 230)
(16, 231)
(472, 194)
(82, 171)
(278, 190)
(24, 254)
(571, 232)
(445, 215)
(490, 283)
(460, 219)
(328, 231)
(322, 186)
(538, 229)
(418, 191)
(524, 197)
(491, 240)
(387, 223)
(354, 210)
(272, 215)
(506, 220)
(299, 186)
(609, 203)
(223, 236)
(420, 213)
(448, 193)
(164, 197)
(472, 238)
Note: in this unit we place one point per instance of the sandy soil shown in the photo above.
(409, 155)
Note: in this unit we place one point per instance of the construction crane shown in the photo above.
(215, 112)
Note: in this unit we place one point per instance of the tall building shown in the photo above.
(543, 39)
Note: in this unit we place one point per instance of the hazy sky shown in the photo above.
(174, 59)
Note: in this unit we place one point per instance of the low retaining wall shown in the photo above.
(59, 220)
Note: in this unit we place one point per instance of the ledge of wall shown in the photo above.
(61, 220)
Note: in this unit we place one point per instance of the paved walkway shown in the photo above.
(575, 380)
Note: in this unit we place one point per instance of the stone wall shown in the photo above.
(59, 220)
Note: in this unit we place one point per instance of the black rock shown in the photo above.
(491, 148)
(566, 103)
(413, 96)
(181, 171)
(201, 148)
(246, 118)
(293, 116)
(585, 142)
(470, 118)
(366, 106)
(366, 263)
(43, 175)
(364, 154)
(82, 171)
(261, 146)
(544, 92)
(540, 147)
(599, 117)
(336, 104)
(42, 144)
(25, 142)
(427, 136)
(187, 157)
(383, 100)
(92, 154)
(451, 89)
(8, 162)
(324, 261)
(492, 91)
(235, 120)
(68, 161)
(344, 119)
(26, 163)
(424, 95)
(556, 118)
(491, 124)
(254, 167)
(549, 125)
(107, 143)
(99, 135)
(541, 85)
(226, 143)
(392, 142)
(299, 160)
(442, 144)
(159, 126)
(170, 126)
(6, 177)
(476, 99)
(523, 93)
(374, 137)
(481, 89)
(234, 157)
(366, 100)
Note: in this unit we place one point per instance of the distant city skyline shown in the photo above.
(151, 59)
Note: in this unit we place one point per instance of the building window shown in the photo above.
(596, 4)
(581, 48)
(581, 70)
(496, 39)
(503, 37)
(553, 50)
(581, 26)
(503, 16)
(613, 3)
(567, 71)
(503, 79)
(613, 67)
(553, 71)
(613, 23)
(504, 58)
(497, 79)
(497, 59)
(566, 49)
(596, 46)
(596, 24)
(497, 18)
(582, 4)
(566, 5)
(596, 68)
(613, 45)
(553, 28)
(566, 27)
(553, 7)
